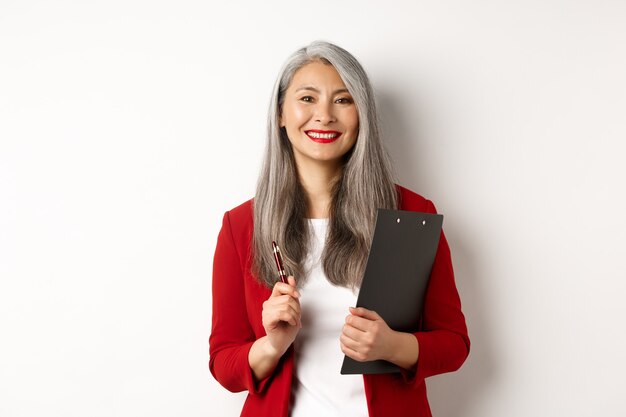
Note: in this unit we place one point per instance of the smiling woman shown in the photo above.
(325, 174)
(319, 115)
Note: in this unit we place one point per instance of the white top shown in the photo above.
(318, 388)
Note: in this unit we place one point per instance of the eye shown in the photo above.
(344, 100)
(307, 99)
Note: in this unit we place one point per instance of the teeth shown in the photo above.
(322, 135)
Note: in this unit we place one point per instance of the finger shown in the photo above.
(350, 343)
(274, 320)
(287, 317)
(291, 302)
(281, 288)
(287, 314)
(297, 316)
(281, 300)
(281, 303)
(294, 303)
(365, 313)
(353, 333)
(359, 323)
(291, 280)
(351, 353)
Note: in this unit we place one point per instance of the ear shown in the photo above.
(281, 122)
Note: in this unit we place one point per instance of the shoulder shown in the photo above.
(242, 212)
(240, 220)
(411, 201)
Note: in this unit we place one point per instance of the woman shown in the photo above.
(324, 175)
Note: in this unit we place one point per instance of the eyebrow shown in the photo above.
(311, 88)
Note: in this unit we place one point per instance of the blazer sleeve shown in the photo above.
(231, 333)
(443, 340)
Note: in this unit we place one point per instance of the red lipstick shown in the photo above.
(323, 136)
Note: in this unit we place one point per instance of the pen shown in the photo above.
(279, 263)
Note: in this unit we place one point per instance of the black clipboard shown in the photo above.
(396, 275)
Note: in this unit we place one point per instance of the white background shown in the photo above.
(127, 128)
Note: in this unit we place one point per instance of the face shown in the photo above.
(319, 115)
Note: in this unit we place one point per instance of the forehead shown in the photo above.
(316, 74)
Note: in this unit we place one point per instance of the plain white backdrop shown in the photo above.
(127, 128)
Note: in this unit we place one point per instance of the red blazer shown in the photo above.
(238, 302)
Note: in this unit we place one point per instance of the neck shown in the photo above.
(317, 181)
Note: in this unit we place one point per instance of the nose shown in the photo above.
(324, 113)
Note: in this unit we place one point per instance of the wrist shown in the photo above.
(395, 345)
(404, 350)
(263, 358)
(269, 351)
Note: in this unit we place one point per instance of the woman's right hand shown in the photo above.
(281, 315)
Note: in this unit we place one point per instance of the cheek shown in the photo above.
(295, 116)
(300, 114)
(353, 120)
(355, 127)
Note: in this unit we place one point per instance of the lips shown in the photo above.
(323, 136)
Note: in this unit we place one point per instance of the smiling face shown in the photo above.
(319, 115)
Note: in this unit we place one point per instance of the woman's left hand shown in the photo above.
(365, 336)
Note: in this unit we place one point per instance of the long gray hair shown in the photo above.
(365, 184)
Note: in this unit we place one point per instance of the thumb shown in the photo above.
(365, 313)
